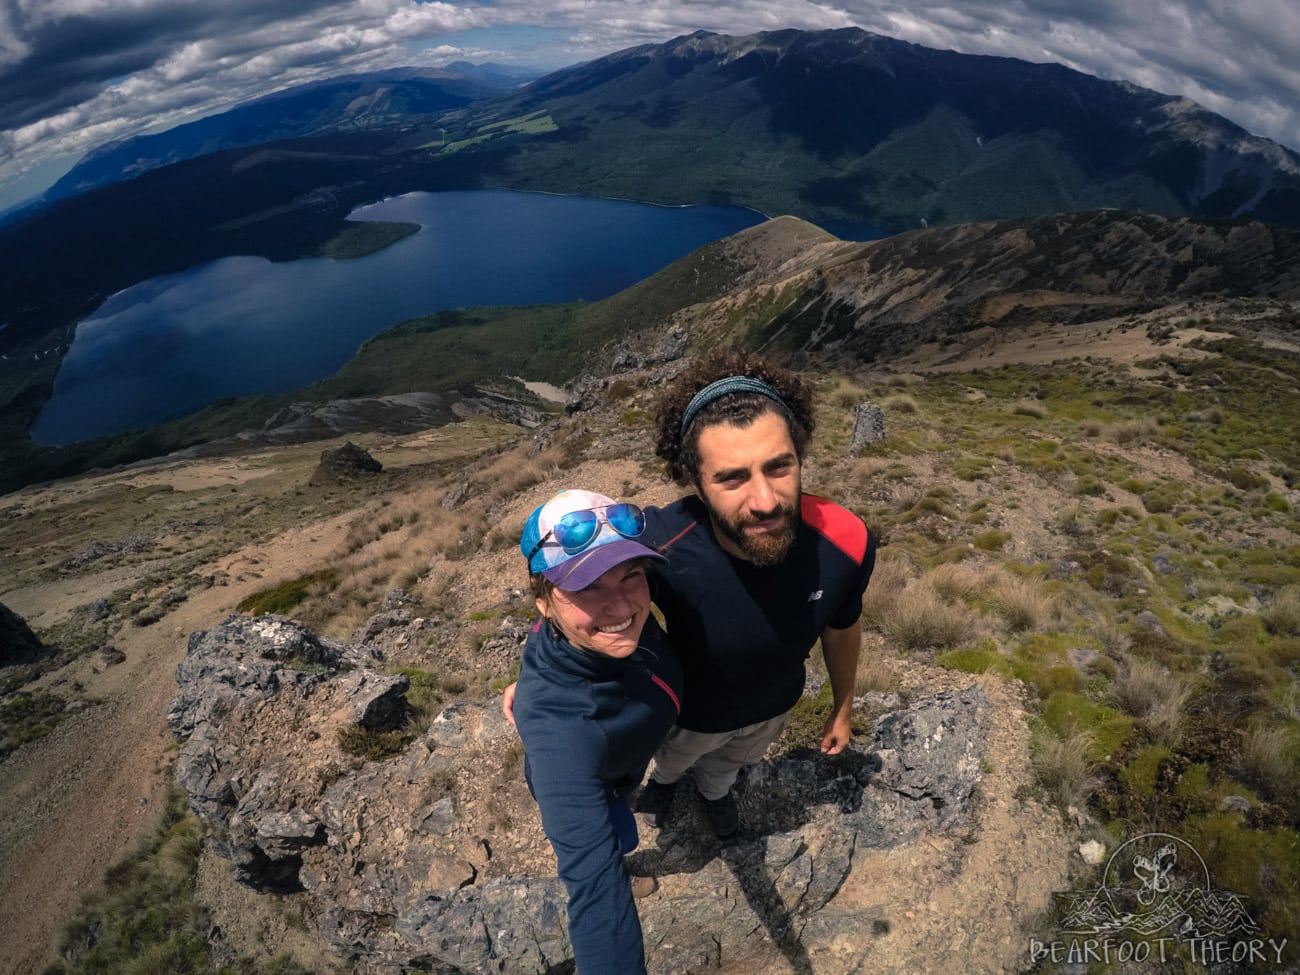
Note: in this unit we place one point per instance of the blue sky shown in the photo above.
(75, 74)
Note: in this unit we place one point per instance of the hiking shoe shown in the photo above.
(722, 815)
(644, 886)
(656, 801)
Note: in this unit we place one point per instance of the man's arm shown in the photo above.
(840, 650)
(508, 702)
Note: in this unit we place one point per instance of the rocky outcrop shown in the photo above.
(18, 644)
(344, 463)
(434, 859)
(868, 427)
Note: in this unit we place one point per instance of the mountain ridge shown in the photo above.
(365, 100)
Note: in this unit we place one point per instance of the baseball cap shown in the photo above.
(572, 570)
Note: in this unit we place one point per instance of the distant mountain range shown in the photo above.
(348, 103)
(833, 126)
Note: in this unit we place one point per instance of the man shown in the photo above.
(757, 573)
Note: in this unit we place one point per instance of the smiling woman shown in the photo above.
(599, 688)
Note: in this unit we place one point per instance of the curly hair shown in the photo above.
(681, 453)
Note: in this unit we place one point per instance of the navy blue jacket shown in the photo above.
(744, 632)
(590, 724)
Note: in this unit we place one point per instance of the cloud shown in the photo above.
(75, 73)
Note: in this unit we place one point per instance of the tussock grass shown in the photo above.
(901, 403)
(888, 581)
(1029, 407)
(1281, 614)
(1268, 759)
(145, 918)
(1131, 431)
(1024, 604)
(1065, 766)
(1154, 695)
(957, 580)
(1114, 638)
(510, 475)
(874, 676)
(921, 619)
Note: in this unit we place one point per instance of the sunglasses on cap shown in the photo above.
(578, 529)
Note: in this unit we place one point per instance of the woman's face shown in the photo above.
(608, 615)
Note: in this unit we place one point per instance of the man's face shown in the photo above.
(749, 481)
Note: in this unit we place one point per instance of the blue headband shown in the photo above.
(725, 387)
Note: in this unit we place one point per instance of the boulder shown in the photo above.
(868, 427)
(18, 644)
(344, 463)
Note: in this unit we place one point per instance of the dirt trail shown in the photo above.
(78, 800)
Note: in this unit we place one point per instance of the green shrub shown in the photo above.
(1275, 502)
(1142, 773)
(25, 717)
(1160, 499)
(287, 596)
(1090, 487)
(372, 746)
(1244, 478)
(1262, 865)
(974, 661)
(1067, 713)
(807, 719)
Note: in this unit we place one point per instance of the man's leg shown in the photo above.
(682, 749)
(717, 760)
(716, 771)
(679, 752)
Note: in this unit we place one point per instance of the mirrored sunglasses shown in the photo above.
(578, 529)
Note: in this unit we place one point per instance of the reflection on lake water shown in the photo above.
(242, 325)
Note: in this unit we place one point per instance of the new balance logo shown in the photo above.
(814, 596)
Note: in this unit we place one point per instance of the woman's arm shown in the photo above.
(604, 928)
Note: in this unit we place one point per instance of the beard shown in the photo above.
(764, 549)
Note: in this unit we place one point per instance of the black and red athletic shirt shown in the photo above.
(744, 632)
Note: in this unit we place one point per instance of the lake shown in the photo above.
(242, 325)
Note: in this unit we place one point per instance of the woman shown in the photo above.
(598, 690)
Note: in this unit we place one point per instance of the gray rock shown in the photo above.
(439, 818)
(932, 750)
(376, 701)
(344, 464)
(396, 599)
(1062, 569)
(868, 427)
(283, 834)
(243, 659)
(18, 644)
